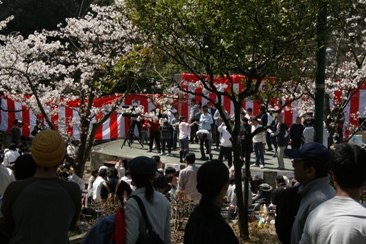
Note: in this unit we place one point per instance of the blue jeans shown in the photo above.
(259, 155)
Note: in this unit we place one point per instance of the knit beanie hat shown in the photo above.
(48, 148)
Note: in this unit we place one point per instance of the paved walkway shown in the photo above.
(110, 151)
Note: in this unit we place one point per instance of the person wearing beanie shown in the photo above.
(43, 208)
(205, 224)
(157, 207)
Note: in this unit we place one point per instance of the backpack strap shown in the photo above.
(106, 186)
(109, 190)
(117, 186)
(143, 211)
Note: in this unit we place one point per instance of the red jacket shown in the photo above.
(154, 126)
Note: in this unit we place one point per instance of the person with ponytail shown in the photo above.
(205, 224)
(142, 171)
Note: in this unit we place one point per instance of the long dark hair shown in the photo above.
(144, 180)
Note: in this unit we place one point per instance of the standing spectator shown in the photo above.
(135, 121)
(175, 125)
(279, 192)
(39, 126)
(308, 132)
(42, 209)
(187, 180)
(278, 120)
(15, 132)
(311, 164)
(194, 116)
(248, 114)
(218, 122)
(93, 176)
(338, 135)
(144, 131)
(143, 170)
(205, 139)
(184, 131)
(97, 184)
(281, 144)
(268, 134)
(286, 212)
(259, 140)
(120, 166)
(226, 147)
(296, 130)
(153, 125)
(205, 224)
(262, 116)
(244, 134)
(341, 219)
(165, 137)
(212, 111)
(109, 186)
(71, 151)
(205, 121)
(10, 156)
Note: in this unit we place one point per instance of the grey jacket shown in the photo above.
(313, 194)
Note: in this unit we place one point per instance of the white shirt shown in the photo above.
(269, 119)
(6, 176)
(308, 134)
(225, 137)
(10, 157)
(260, 137)
(97, 185)
(71, 151)
(187, 182)
(126, 179)
(338, 220)
(121, 170)
(184, 130)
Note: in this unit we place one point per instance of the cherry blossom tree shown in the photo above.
(85, 59)
(345, 73)
(215, 39)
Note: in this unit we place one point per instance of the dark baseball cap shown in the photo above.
(314, 154)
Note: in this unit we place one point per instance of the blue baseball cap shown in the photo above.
(314, 154)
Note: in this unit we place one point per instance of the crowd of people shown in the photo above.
(323, 206)
(165, 131)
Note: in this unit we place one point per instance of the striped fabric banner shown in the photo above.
(67, 118)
